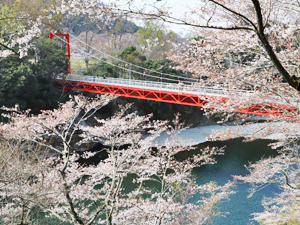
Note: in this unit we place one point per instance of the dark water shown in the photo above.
(237, 154)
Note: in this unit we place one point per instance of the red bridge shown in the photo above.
(166, 92)
(180, 93)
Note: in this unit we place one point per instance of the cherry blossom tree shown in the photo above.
(21, 170)
(254, 45)
(20, 21)
(49, 182)
(250, 50)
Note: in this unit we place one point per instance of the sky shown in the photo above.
(178, 8)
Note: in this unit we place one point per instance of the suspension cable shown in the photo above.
(129, 70)
(120, 60)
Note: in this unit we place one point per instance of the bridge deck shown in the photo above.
(158, 86)
(184, 94)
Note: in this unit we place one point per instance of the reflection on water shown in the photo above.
(237, 154)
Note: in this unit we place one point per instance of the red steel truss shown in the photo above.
(266, 109)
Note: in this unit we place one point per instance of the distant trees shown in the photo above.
(136, 65)
(149, 42)
(111, 33)
(153, 39)
(106, 36)
(131, 55)
(121, 33)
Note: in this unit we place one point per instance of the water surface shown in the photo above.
(237, 155)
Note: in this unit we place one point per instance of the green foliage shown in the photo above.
(190, 36)
(131, 55)
(49, 59)
(151, 29)
(160, 66)
(29, 81)
(16, 80)
(102, 69)
(126, 51)
(8, 25)
(124, 26)
(119, 26)
(152, 39)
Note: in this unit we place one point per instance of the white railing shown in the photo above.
(152, 85)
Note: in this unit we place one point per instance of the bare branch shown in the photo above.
(167, 18)
(287, 181)
(234, 12)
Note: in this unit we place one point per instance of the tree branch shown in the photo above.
(258, 16)
(278, 65)
(96, 214)
(45, 145)
(287, 181)
(67, 194)
(234, 12)
(11, 49)
(173, 20)
(269, 14)
(7, 18)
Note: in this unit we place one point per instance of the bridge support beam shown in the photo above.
(267, 109)
(67, 36)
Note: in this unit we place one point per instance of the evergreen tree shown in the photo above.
(28, 81)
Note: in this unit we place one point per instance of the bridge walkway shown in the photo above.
(178, 93)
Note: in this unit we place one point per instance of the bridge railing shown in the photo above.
(172, 87)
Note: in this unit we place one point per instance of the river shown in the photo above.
(237, 155)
